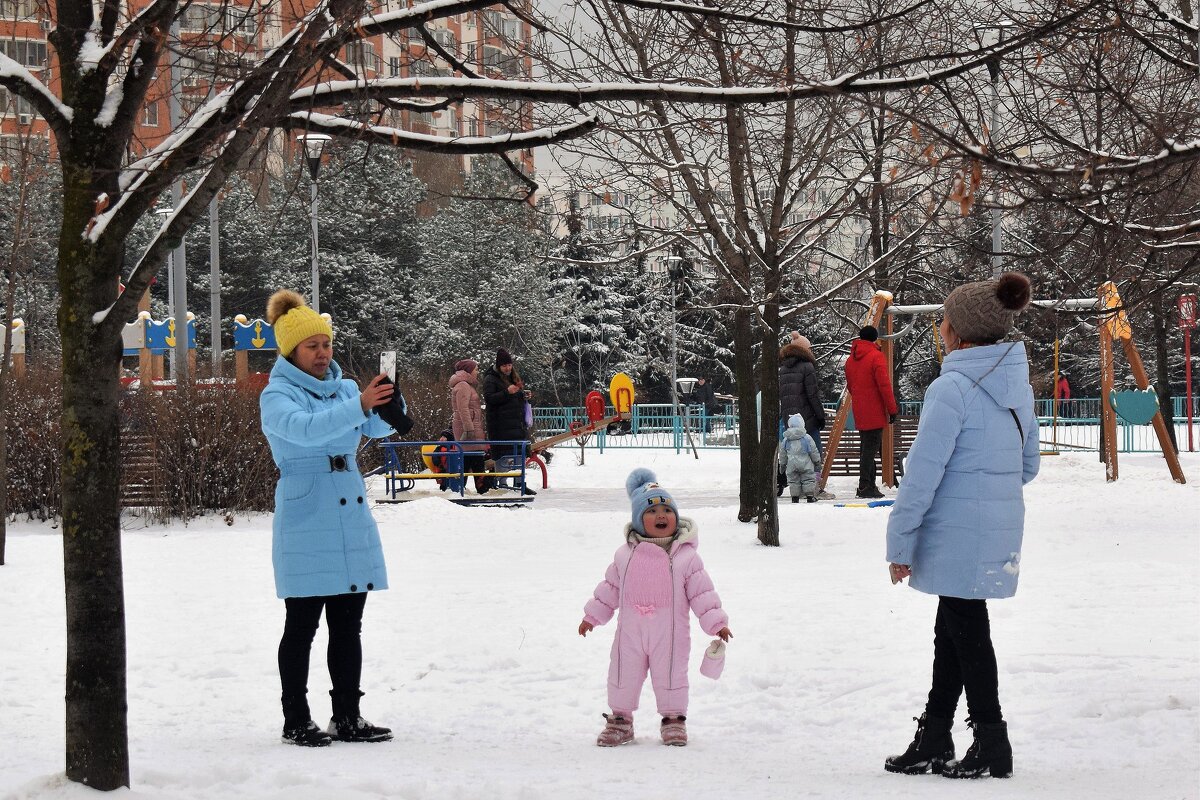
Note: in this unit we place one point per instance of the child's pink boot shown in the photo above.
(674, 731)
(617, 731)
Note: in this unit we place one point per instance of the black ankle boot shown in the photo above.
(357, 729)
(305, 733)
(347, 724)
(931, 748)
(990, 753)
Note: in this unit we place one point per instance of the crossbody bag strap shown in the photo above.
(1020, 430)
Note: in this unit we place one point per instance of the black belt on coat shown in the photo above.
(318, 464)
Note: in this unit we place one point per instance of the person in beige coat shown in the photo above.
(467, 422)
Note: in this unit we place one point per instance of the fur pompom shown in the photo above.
(1013, 291)
(639, 477)
(282, 302)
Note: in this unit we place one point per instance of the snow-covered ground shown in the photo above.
(473, 657)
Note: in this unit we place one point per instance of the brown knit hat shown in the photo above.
(465, 365)
(983, 312)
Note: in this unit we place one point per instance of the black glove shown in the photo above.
(892, 418)
(393, 412)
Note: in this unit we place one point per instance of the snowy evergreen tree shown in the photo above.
(590, 336)
(30, 215)
(484, 281)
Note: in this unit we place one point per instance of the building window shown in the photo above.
(394, 66)
(362, 55)
(11, 103)
(150, 115)
(26, 52)
(18, 9)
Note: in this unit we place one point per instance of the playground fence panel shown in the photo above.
(655, 426)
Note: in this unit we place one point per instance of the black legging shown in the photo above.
(343, 615)
(963, 658)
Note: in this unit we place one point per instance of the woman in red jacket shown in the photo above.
(873, 403)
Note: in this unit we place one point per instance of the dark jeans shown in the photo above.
(343, 615)
(815, 432)
(870, 444)
(963, 658)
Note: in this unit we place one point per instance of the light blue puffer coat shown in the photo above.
(325, 539)
(960, 515)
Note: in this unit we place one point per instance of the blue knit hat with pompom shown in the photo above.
(644, 491)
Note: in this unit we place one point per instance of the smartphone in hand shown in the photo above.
(387, 364)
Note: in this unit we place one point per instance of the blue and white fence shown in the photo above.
(657, 427)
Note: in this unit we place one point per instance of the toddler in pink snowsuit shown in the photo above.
(656, 576)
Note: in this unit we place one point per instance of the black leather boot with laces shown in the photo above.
(931, 748)
(990, 753)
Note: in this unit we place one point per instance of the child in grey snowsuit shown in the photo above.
(800, 459)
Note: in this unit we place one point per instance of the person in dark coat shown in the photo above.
(505, 396)
(799, 392)
(704, 395)
(873, 403)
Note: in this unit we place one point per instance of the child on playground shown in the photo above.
(800, 459)
(655, 577)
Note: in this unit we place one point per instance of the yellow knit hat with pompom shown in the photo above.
(294, 321)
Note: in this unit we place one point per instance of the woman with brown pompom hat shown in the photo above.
(955, 530)
(325, 548)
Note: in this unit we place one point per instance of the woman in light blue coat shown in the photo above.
(325, 548)
(955, 529)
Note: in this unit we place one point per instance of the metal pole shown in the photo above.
(997, 231)
(1187, 369)
(316, 278)
(214, 283)
(674, 370)
(179, 363)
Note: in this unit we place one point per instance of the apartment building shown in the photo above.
(219, 39)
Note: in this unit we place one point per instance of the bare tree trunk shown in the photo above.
(768, 507)
(743, 369)
(97, 742)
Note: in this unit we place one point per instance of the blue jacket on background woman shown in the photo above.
(960, 515)
(956, 527)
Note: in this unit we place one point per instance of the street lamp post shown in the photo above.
(673, 268)
(993, 66)
(314, 143)
(162, 214)
(675, 274)
(214, 283)
(177, 268)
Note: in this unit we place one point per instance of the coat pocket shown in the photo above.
(296, 487)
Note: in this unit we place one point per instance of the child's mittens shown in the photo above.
(713, 661)
(585, 627)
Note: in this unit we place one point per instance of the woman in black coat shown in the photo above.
(798, 391)
(504, 396)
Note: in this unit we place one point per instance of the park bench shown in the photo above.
(845, 460)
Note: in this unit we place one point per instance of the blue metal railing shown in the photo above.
(655, 426)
